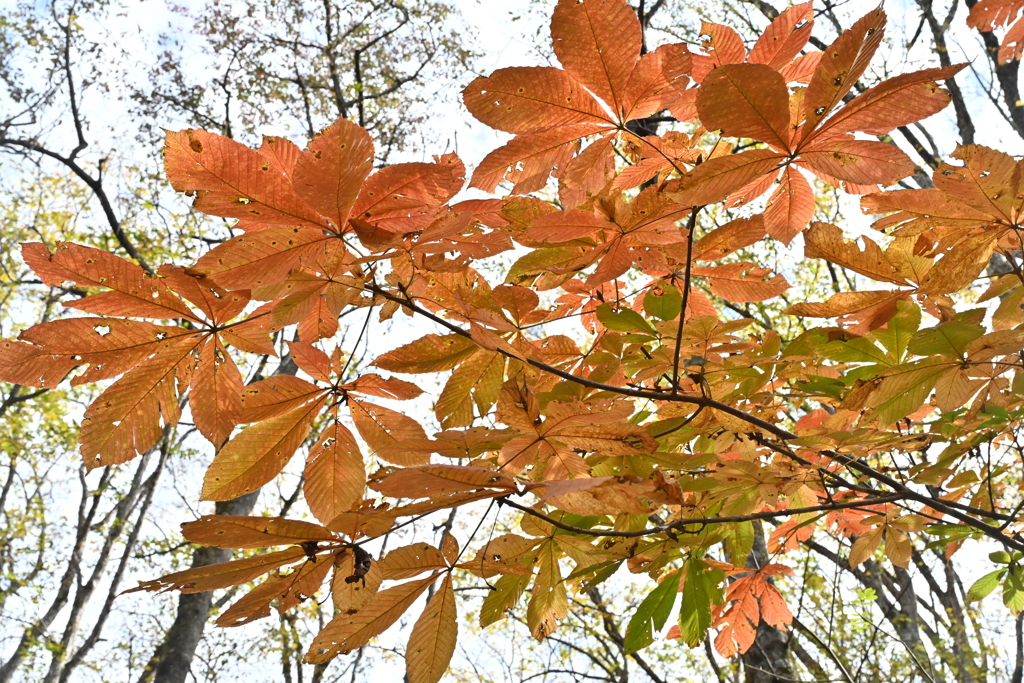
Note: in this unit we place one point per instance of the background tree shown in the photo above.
(72, 173)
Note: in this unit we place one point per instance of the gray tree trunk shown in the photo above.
(172, 660)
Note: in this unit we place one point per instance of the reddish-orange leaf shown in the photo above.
(988, 14)
(320, 323)
(658, 81)
(411, 560)
(862, 162)
(391, 387)
(349, 631)
(898, 101)
(288, 591)
(529, 159)
(844, 303)
(565, 226)
(724, 240)
(723, 46)
(782, 41)
(110, 346)
(223, 574)
(989, 181)
(216, 397)
(30, 365)
(229, 179)
(275, 396)
(598, 42)
(842, 63)
(432, 641)
(790, 207)
(425, 481)
(242, 532)
(716, 179)
(384, 430)
(406, 197)
(743, 282)
(311, 360)
(587, 174)
(134, 294)
(257, 259)
(746, 101)
(330, 171)
(528, 99)
(127, 418)
(432, 353)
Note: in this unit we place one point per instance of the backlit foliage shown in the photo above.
(604, 390)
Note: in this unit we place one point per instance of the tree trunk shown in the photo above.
(172, 659)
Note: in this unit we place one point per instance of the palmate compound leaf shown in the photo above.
(599, 44)
(159, 363)
(330, 175)
(752, 101)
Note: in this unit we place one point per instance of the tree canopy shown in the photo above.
(605, 370)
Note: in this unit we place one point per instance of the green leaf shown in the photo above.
(904, 389)
(949, 529)
(503, 597)
(663, 301)
(651, 615)
(985, 585)
(601, 576)
(950, 338)
(695, 609)
(540, 262)
(1000, 556)
(857, 350)
(1013, 591)
(740, 539)
(623, 320)
(896, 335)
(594, 568)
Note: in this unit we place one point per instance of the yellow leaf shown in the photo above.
(350, 631)
(897, 547)
(549, 603)
(865, 546)
(432, 642)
